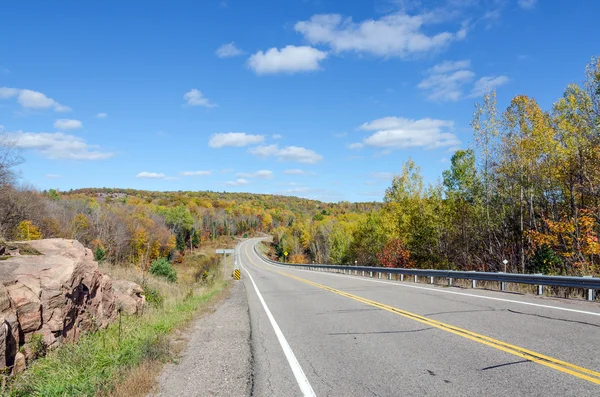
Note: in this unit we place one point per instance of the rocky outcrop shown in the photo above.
(51, 288)
(129, 296)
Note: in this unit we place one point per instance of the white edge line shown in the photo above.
(443, 291)
(305, 386)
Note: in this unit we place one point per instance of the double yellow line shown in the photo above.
(562, 366)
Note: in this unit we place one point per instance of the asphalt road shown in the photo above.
(327, 334)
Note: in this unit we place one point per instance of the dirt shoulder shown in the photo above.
(217, 360)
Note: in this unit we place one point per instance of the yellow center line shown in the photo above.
(562, 366)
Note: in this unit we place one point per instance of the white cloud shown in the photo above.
(289, 153)
(450, 66)
(235, 139)
(237, 182)
(67, 124)
(195, 98)
(151, 175)
(262, 174)
(397, 34)
(32, 99)
(53, 176)
(486, 84)
(195, 173)
(297, 172)
(276, 136)
(401, 133)
(228, 50)
(527, 4)
(446, 81)
(356, 145)
(59, 146)
(101, 115)
(290, 59)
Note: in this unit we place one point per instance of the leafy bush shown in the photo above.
(162, 267)
(38, 347)
(153, 296)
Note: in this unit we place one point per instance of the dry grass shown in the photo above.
(138, 381)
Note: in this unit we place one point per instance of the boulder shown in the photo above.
(53, 288)
(20, 364)
(129, 296)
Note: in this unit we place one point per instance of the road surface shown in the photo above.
(328, 334)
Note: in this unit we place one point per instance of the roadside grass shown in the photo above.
(124, 358)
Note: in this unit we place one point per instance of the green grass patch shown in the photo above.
(97, 362)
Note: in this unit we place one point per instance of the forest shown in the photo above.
(528, 191)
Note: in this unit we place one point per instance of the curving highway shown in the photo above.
(325, 334)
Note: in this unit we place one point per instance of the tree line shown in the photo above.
(527, 191)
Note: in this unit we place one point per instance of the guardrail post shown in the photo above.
(431, 280)
(363, 273)
(473, 283)
(450, 280)
(502, 285)
(389, 276)
(371, 274)
(415, 278)
(590, 294)
(540, 288)
(379, 274)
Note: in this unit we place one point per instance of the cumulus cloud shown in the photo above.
(151, 175)
(228, 50)
(59, 146)
(32, 99)
(290, 59)
(195, 173)
(195, 98)
(447, 81)
(527, 4)
(67, 124)
(289, 153)
(262, 174)
(235, 139)
(237, 182)
(401, 133)
(397, 34)
(101, 115)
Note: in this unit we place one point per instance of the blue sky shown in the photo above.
(316, 98)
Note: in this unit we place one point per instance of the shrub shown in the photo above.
(545, 261)
(153, 296)
(162, 267)
(99, 254)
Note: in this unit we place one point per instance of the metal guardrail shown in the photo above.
(589, 283)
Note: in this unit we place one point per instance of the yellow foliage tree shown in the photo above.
(26, 230)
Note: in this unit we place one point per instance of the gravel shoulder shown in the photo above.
(218, 358)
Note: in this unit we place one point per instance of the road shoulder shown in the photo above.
(218, 358)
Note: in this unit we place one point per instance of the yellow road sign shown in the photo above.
(236, 274)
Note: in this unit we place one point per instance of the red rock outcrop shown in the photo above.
(57, 294)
